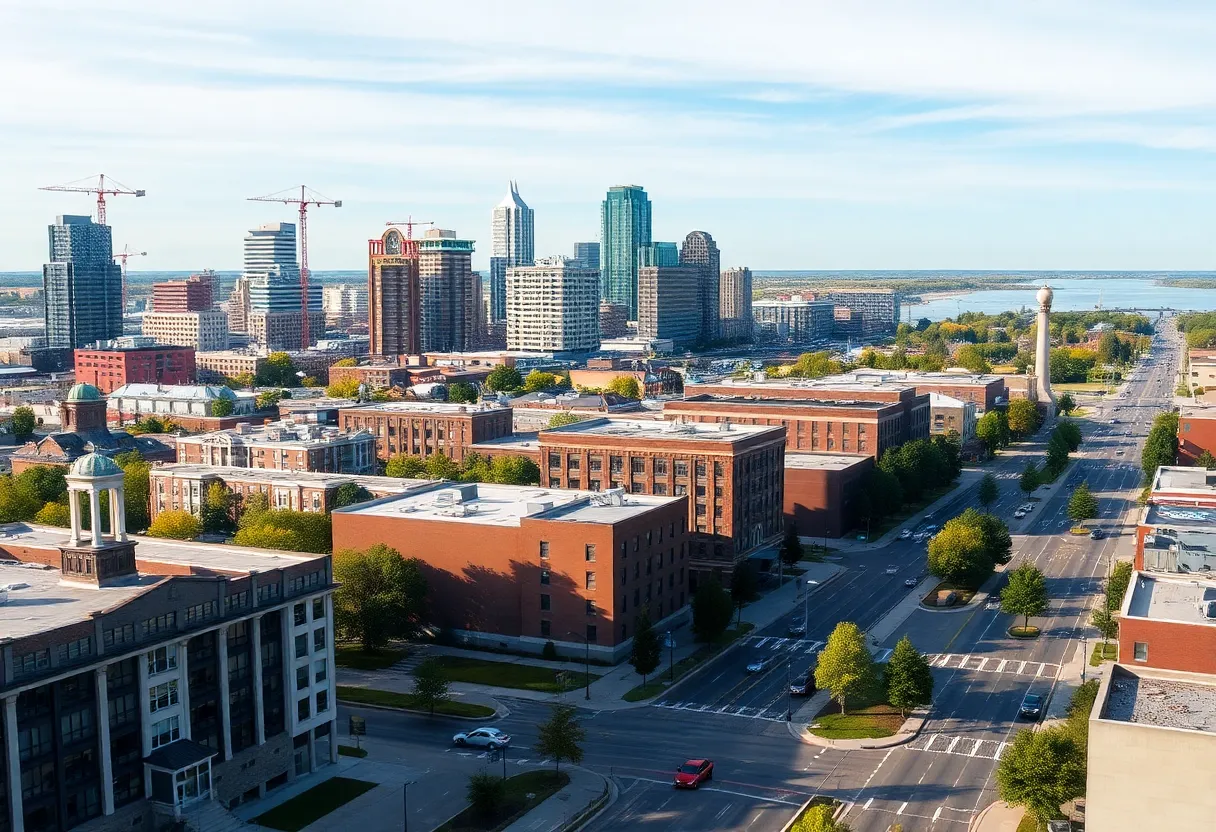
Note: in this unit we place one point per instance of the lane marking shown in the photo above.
(937, 814)
(901, 808)
(867, 805)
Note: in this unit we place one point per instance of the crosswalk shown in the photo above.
(992, 664)
(958, 746)
(771, 714)
(800, 646)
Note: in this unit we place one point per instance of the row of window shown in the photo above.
(201, 612)
(637, 465)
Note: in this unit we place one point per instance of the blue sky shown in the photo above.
(861, 135)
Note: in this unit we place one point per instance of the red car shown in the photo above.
(693, 773)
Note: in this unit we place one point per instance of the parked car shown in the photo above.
(693, 773)
(490, 738)
(1032, 706)
(804, 686)
(1019, 514)
(759, 664)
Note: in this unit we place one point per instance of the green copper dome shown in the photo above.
(84, 393)
(94, 465)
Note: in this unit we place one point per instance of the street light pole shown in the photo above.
(671, 659)
(405, 802)
(586, 662)
(789, 702)
(806, 608)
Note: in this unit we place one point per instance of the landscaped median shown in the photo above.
(664, 679)
(521, 794)
(870, 717)
(408, 702)
(511, 674)
(314, 804)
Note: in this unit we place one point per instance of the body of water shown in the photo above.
(1071, 295)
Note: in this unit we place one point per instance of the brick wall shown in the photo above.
(1171, 645)
(820, 501)
(1196, 434)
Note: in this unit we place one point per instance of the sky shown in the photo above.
(810, 135)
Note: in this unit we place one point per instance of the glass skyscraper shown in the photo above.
(624, 228)
(511, 245)
(82, 284)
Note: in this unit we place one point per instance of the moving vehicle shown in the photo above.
(490, 738)
(910, 582)
(905, 534)
(805, 685)
(891, 570)
(1019, 514)
(1032, 706)
(759, 664)
(693, 773)
(797, 628)
(1096, 534)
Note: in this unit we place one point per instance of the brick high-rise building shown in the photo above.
(449, 311)
(194, 294)
(393, 300)
(111, 364)
(700, 250)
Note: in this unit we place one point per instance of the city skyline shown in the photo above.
(1035, 138)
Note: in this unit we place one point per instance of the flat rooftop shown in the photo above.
(843, 383)
(1185, 481)
(506, 505)
(521, 442)
(312, 479)
(1171, 599)
(829, 462)
(1151, 699)
(789, 404)
(286, 432)
(640, 429)
(440, 408)
(1180, 517)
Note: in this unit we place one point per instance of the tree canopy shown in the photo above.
(462, 392)
(845, 666)
(1161, 446)
(989, 491)
(175, 524)
(24, 421)
(1022, 417)
(1041, 770)
(647, 649)
(562, 419)
(909, 682)
(1082, 505)
(538, 380)
(381, 595)
(277, 371)
(1025, 594)
(626, 386)
(560, 737)
(504, 379)
(345, 387)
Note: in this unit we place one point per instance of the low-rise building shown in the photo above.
(951, 415)
(283, 446)
(418, 428)
(321, 410)
(377, 375)
(525, 444)
(655, 379)
(517, 567)
(984, 390)
(533, 411)
(191, 406)
(1201, 374)
(109, 365)
(201, 331)
(821, 492)
(1021, 386)
(1169, 623)
(1196, 432)
(1176, 531)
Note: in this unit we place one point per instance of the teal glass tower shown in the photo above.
(624, 229)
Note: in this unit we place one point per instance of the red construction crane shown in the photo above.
(307, 197)
(121, 257)
(410, 248)
(101, 188)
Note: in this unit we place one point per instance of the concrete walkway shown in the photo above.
(584, 789)
(997, 817)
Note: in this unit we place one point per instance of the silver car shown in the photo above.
(490, 738)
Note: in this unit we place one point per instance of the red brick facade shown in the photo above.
(820, 501)
(426, 430)
(109, 369)
(1170, 645)
(1196, 434)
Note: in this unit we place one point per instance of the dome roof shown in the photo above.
(95, 465)
(84, 393)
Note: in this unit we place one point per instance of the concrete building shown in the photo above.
(668, 304)
(449, 308)
(874, 311)
(512, 244)
(624, 229)
(1176, 530)
(795, 321)
(587, 255)
(821, 492)
(270, 252)
(659, 253)
(552, 306)
(735, 302)
(81, 284)
(614, 320)
(394, 303)
(344, 304)
(275, 313)
(951, 415)
(191, 406)
(145, 679)
(282, 446)
(731, 473)
(425, 428)
(237, 307)
(520, 566)
(109, 365)
(201, 331)
(194, 294)
(701, 252)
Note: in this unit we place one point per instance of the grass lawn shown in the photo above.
(660, 681)
(869, 717)
(351, 751)
(909, 512)
(406, 701)
(817, 800)
(963, 594)
(1104, 653)
(1029, 824)
(313, 804)
(356, 658)
(541, 784)
(510, 674)
(1024, 632)
(1083, 387)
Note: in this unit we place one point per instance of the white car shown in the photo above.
(905, 534)
(1019, 514)
(891, 570)
(490, 738)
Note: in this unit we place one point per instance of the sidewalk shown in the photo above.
(997, 817)
(584, 789)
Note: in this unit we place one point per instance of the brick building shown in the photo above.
(821, 492)
(425, 428)
(376, 376)
(1169, 623)
(516, 567)
(1196, 433)
(1176, 531)
(109, 365)
(532, 411)
(985, 391)
(282, 446)
(156, 677)
(733, 475)
(951, 415)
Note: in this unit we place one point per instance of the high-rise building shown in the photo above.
(345, 303)
(659, 254)
(194, 294)
(238, 307)
(795, 321)
(275, 315)
(624, 229)
(270, 251)
(553, 306)
(82, 284)
(876, 309)
(735, 294)
(512, 244)
(700, 251)
(447, 290)
(587, 255)
(667, 304)
(392, 295)
(203, 331)
(614, 320)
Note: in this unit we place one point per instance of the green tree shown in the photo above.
(514, 470)
(814, 365)
(1022, 417)
(503, 379)
(744, 587)
(24, 421)
(1025, 594)
(175, 524)
(253, 510)
(539, 380)
(1041, 770)
(957, 554)
(269, 537)
(909, 682)
(430, 685)
(54, 514)
(883, 490)
(268, 399)
(441, 467)
(791, 546)
(461, 392)
(990, 430)
(560, 737)
(240, 381)
(1069, 432)
(45, 483)
(1120, 577)
(972, 358)
(562, 419)
(820, 818)
(487, 794)
(295, 531)
(1082, 505)
(989, 491)
(405, 467)
(221, 408)
(349, 493)
(1057, 452)
(216, 511)
(1206, 460)
(380, 595)
(998, 544)
(1105, 620)
(712, 609)
(1065, 404)
(278, 371)
(647, 649)
(1161, 445)
(845, 666)
(626, 386)
(346, 387)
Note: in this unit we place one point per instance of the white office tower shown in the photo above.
(270, 251)
(553, 306)
(512, 244)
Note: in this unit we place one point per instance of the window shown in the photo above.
(158, 624)
(555, 482)
(1140, 651)
(236, 601)
(201, 612)
(118, 635)
(700, 469)
(269, 592)
(318, 609)
(681, 468)
(596, 463)
(589, 552)
(545, 602)
(637, 466)
(544, 550)
(34, 742)
(681, 490)
(590, 580)
(76, 650)
(660, 467)
(544, 577)
(591, 633)
(300, 614)
(303, 710)
(38, 781)
(555, 460)
(590, 607)
(660, 489)
(573, 463)
(122, 709)
(318, 639)
(301, 677)
(322, 701)
(616, 464)
(165, 731)
(301, 645)
(32, 663)
(162, 696)
(545, 628)
(320, 670)
(162, 659)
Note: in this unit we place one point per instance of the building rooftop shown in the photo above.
(523, 443)
(180, 392)
(671, 430)
(1161, 700)
(285, 431)
(942, 400)
(840, 383)
(829, 462)
(574, 400)
(313, 479)
(507, 505)
(792, 404)
(1183, 482)
(794, 302)
(440, 408)
(1172, 599)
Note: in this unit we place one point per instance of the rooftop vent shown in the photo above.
(538, 507)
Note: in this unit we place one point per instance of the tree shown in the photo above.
(175, 524)
(430, 685)
(791, 546)
(1120, 577)
(54, 514)
(957, 554)
(349, 493)
(1161, 445)
(278, 371)
(991, 431)
(845, 665)
(1022, 417)
(647, 649)
(1065, 404)
(711, 610)
(539, 380)
(405, 467)
(503, 378)
(514, 470)
(24, 421)
(883, 491)
(1069, 432)
(744, 587)
(240, 381)
(626, 386)
(972, 358)
(216, 511)
(346, 387)
(1206, 460)
(441, 467)
(295, 531)
(562, 419)
(1105, 620)
(1025, 594)
(559, 737)
(270, 398)
(1082, 505)
(819, 818)
(989, 492)
(487, 794)
(909, 682)
(461, 392)
(380, 595)
(1041, 770)
(998, 544)
(1057, 452)
(1029, 480)
(45, 483)
(269, 537)
(221, 408)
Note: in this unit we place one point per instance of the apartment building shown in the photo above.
(668, 300)
(795, 321)
(951, 415)
(282, 446)
(871, 311)
(552, 306)
(418, 428)
(201, 331)
(108, 365)
(190, 406)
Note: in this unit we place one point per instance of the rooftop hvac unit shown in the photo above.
(1209, 609)
(538, 507)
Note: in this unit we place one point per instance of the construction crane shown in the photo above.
(101, 188)
(410, 249)
(122, 257)
(307, 197)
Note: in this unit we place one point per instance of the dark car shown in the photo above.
(693, 773)
(1096, 534)
(1032, 706)
(797, 628)
(804, 686)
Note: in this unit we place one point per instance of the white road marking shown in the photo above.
(762, 642)
(937, 814)
(1000, 668)
(953, 743)
(901, 808)
(868, 802)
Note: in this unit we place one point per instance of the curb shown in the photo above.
(901, 737)
(596, 807)
(501, 712)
